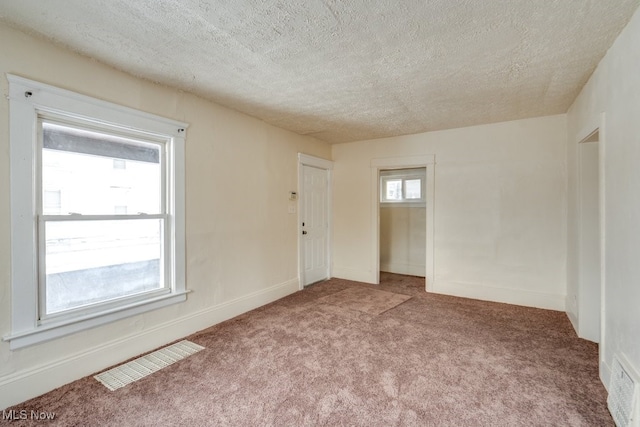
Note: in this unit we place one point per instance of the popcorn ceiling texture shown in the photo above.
(346, 71)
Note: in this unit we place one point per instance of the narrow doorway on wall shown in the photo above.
(589, 292)
(403, 221)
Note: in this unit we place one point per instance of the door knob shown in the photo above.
(304, 232)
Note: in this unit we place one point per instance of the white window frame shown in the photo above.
(28, 100)
(403, 175)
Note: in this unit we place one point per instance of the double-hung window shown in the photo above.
(97, 201)
(402, 186)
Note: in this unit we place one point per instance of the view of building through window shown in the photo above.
(412, 189)
(393, 189)
(88, 177)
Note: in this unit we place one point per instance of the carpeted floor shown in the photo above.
(316, 359)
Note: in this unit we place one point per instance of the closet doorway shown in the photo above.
(381, 166)
(403, 221)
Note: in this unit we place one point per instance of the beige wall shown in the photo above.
(500, 219)
(241, 242)
(613, 89)
(402, 239)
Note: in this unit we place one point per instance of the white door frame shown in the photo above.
(428, 162)
(316, 162)
(587, 290)
(598, 124)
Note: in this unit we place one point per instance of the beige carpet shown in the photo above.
(433, 360)
(365, 300)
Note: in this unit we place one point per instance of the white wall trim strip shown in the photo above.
(502, 295)
(354, 274)
(404, 162)
(317, 162)
(399, 268)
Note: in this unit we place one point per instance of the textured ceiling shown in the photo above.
(347, 70)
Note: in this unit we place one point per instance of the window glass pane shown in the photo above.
(393, 189)
(412, 189)
(51, 202)
(95, 172)
(89, 262)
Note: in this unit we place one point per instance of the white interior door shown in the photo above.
(315, 224)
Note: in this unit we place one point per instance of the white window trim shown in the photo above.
(28, 99)
(403, 174)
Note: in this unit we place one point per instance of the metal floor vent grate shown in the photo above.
(623, 394)
(143, 366)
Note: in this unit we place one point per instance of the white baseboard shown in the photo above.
(605, 374)
(353, 274)
(505, 295)
(26, 384)
(408, 269)
(574, 322)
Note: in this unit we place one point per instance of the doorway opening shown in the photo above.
(383, 167)
(589, 241)
(403, 221)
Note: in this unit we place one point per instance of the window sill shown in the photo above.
(42, 333)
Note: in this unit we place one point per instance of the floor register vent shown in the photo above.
(624, 394)
(146, 365)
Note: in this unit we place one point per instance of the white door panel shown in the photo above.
(315, 226)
